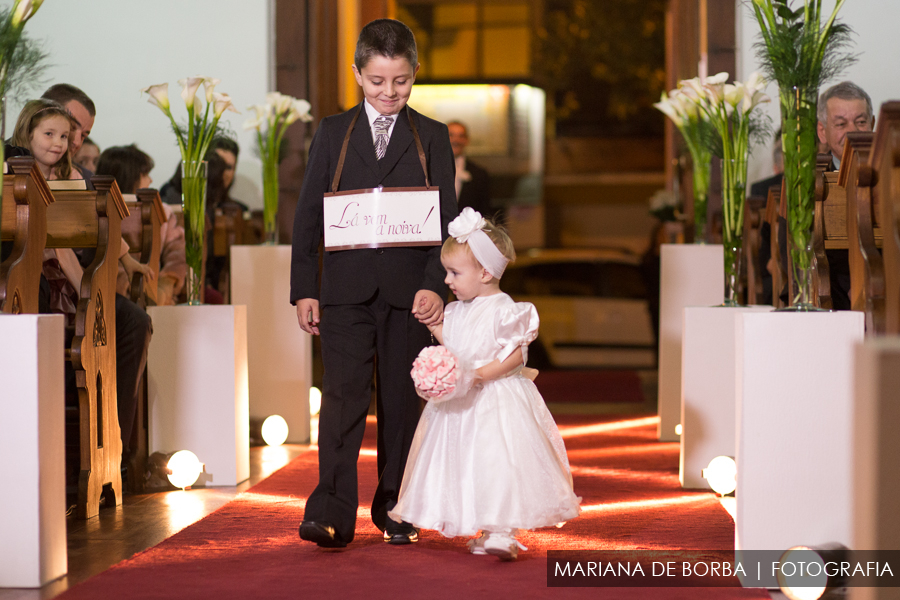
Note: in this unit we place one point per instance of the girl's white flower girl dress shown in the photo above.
(493, 460)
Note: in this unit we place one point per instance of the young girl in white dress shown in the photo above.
(488, 457)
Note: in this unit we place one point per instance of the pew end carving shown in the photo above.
(24, 224)
(92, 219)
(863, 234)
(884, 160)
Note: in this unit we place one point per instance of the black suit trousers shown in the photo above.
(357, 339)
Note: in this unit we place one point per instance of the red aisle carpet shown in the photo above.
(590, 385)
(250, 548)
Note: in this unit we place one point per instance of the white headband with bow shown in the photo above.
(468, 228)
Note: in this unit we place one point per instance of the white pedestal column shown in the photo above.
(198, 394)
(707, 384)
(280, 353)
(876, 478)
(690, 275)
(794, 440)
(32, 434)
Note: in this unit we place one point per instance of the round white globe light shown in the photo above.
(185, 469)
(808, 582)
(721, 474)
(274, 430)
(315, 400)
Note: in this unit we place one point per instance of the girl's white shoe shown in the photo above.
(476, 544)
(503, 546)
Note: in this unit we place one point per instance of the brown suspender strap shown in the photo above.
(340, 166)
(419, 147)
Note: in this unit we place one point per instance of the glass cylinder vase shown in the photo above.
(802, 295)
(701, 197)
(800, 145)
(270, 201)
(193, 203)
(734, 193)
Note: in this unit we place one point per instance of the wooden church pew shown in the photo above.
(26, 198)
(863, 232)
(143, 225)
(147, 210)
(829, 228)
(92, 219)
(774, 202)
(754, 217)
(884, 159)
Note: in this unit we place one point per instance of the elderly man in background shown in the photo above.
(843, 108)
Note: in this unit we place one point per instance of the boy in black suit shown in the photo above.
(372, 302)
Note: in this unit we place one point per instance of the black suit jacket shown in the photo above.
(353, 276)
(476, 193)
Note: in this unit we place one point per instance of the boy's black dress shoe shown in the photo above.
(401, 534)
(321, 533)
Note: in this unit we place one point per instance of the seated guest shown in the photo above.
(43, 130)
(221, 155)
(87, 156)
(131, 167)
(82, 110)
(219, 176)
(133, 327)
(842, 108)
(228, 150)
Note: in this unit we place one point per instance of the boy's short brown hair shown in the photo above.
(385, 37)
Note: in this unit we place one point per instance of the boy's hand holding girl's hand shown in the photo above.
(428, 307)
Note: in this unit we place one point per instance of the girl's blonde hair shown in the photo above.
(31, 116)
(497, 234)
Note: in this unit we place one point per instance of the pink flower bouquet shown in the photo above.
(435, 373)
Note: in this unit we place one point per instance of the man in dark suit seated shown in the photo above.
(473, 184)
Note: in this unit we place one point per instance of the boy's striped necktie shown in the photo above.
(382, 126)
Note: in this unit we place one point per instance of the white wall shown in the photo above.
(113, 48)
(874, 23)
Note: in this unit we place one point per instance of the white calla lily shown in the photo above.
(692, 87)
(717, 79)
(189, 86)
(280, 103)
(666, 107)
(253, 123)
(22, 11)
(209, 86)
(733, 94)
(159, 95)
(222, 102)
(302, 108)
(756, 82)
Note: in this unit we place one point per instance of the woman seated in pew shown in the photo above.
(131, 167)
(43, 129)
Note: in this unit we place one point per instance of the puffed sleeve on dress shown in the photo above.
(517, 326)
